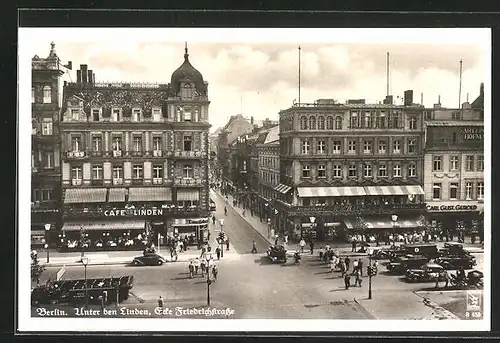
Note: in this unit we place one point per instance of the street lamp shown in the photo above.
(85, 262)
(313, 225)
(47, 228)
(208, 279)
(370, 272)
(268, 227)
(222, 235)
(394, 218)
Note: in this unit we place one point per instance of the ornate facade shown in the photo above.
(127, 146)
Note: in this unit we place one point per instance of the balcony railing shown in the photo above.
(76, 182)
(96, 153)
(76, 154)
(196, 154)
(355, 209)
(117, 153)
(136, 153)
(45, 206)
(157, 153)
(188, 181)
(118, 181)
(157, 181)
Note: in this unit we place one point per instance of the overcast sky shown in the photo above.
(259, 79)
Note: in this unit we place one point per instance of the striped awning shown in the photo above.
(117, 195)
(149, 194)
(188, 194)
(281, 188)
(316, 192)
(393, 190)
(84, 195)
(106, 225)
(386, 223)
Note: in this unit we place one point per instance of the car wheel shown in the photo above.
(160, 263)
(136, 263)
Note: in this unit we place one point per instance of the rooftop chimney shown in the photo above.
(388, 100)
(408, 97)
(251, 120)
(90, 80)
(466, 106)
(78, 76)
(83, 68)
(481, 89)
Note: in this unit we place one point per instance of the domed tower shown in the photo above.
(187, 81)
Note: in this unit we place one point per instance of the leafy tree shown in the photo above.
(360, 226)
(36, 268)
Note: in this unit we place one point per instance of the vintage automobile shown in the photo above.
(149, 259)
(382, 253)
(429, 250)
(277, 253)
(425, 274)
(455, 262)
(473, 280)
(397, 251)
(454, 249)
(402, 263)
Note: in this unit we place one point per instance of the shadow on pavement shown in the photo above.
(327, 272)
(338, 289)
(264, 260)
(180, 278)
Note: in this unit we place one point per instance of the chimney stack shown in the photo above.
(83, 68)
(78, 76)
(251, 120)
(481, 89)
(388, 100)
(408, 97)
(90, 80)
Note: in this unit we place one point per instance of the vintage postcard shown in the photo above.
(254, 179)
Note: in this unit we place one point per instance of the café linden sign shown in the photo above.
(133, 212)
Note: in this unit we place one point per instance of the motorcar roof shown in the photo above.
(413, 245)
(433, 265)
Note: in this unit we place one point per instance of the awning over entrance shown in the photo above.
(38, 232)
(315, 192)
(106, 225)
(386, 223)
(282, 188)
(188, 194)
(393, 190)
(84, 195)
(117, 195)
(149, 194)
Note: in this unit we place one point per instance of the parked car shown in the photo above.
(426, 249)
(402, 263)
(473, 280)
(454, 249)
(425, 274)
(277, 253)
(455, 262)
(149, 260)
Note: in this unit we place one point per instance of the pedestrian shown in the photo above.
(286, 238)
(342, 267)
(332, 266)
(353, 245)
(217, 251)
(375, 267)
(360, 266)
(160, 302)
(311, 245)
(215, 272)
(254, 247)
(276, 239)
(354, 266)
(208, 236)
(191, 269)
(302, 244)
(185, 245)
(359, 280)
(203, 267)
(446, 277)
(347, 263)
(196, 266)
(347, 281)
(227, 243)
(213, 220)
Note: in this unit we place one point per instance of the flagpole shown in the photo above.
(299, 75)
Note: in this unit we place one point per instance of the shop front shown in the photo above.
(194, 231)
(455, 217)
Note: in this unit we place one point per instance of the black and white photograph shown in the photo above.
(175, 179)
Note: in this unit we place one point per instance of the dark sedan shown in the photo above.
(427, 273)
(455, 262)
(149, 260)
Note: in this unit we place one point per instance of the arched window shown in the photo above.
(413, 123)
(47, 95)
(321, 123)
(312, 123)
(329, 123)
(338, 123)
(303, 123)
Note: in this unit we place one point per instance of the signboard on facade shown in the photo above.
(452, 207)
(473, 133)
(133, 212)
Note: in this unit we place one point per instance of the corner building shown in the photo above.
(340, 162)
(135, 156)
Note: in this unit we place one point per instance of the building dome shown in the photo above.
(187, 73)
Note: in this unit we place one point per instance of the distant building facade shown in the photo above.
(454, 166)
(135, 157)
(340, 162)
(45, 154)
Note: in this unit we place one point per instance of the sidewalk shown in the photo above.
(125, 257)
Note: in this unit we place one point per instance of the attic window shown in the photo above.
(187, 91)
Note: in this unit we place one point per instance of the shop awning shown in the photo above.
(315, 192)
(84, 195)
(117, 195)
(188, 194)
(386, 223)
(281, 188)
(393, 190)
(38, 232)
(106, 225)
(149, 194)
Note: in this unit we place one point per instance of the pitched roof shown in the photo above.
(273, 134)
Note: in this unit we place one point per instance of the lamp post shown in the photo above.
(221, 238)
(268, 227)
(85, 262)
(47, 228)
(313, 225)
(208, 279)
(370, 272)
(394, 218)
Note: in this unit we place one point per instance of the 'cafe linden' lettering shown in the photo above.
(139, 212)
(452, 208)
